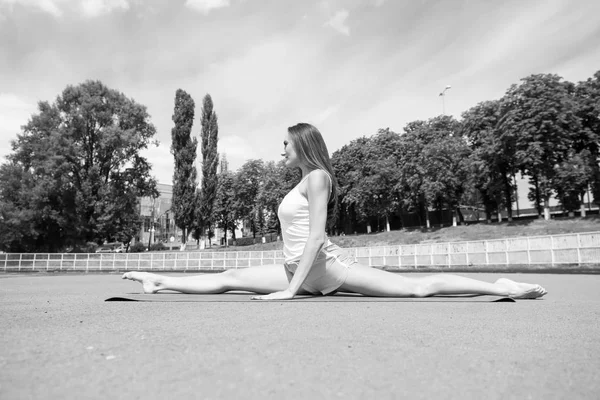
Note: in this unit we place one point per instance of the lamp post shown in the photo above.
(443, 94)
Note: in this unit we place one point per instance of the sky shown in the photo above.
(349, 67)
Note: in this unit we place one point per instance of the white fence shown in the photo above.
(578, 249)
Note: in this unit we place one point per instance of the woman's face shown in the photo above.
(289, 153)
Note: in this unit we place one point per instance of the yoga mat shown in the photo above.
(338, 297)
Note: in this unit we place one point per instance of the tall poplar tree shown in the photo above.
(183, 148)
(210, 161)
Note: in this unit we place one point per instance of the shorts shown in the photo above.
(328, 273)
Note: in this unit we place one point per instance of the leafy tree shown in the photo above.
(75, 174)
(540, 119)
(420, 183)
(248, 181)
(348, 164)
(492, 159)
(224, 210)
(588, 138)
(381, 175)
(183, 148)
(277, 181)
(446, 172)
(571, 180)
(210, 162)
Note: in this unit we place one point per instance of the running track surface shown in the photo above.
(60, 340)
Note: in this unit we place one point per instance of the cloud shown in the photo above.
(206, 6)
(162, 162)
(88, 8)
(94, 8)
(326, 113)
(14, 113)
(48, 6)
(338, 22)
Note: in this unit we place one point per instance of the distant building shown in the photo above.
(159, 210)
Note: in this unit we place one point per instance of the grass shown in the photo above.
(480, 231)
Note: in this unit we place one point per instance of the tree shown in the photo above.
(381, 175)
(210, 162)
(248, 182)
(588, 109)
(540, 120)
(446, 172)
(348, 164)
(571, 180)
(224, 207)
(183, 148)
(76, 173)
(492, 158)
(277, 181)
(422, 148)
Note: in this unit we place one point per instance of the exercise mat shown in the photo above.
(338, 297)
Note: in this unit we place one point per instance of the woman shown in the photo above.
(314, 265)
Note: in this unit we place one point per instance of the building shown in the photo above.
(165, 231)
(156, 214)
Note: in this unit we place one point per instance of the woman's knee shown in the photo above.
(423, 288)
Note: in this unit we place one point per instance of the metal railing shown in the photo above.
(555, 250)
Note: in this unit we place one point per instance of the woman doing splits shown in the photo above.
(313, 265)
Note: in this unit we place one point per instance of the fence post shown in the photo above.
(467, 253)
(578, 250)
(506, 251)
(399, 256)
(415, 256)
(487, 255)
(370, 260)
(552, 249)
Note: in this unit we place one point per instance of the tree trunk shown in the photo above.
(582, 206)
(516, 194)
(547, 208)
(538, 201)
(427, 218)
(387, 223)
(508, 196)
(461, 217)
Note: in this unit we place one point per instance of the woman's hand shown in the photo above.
(283, 295)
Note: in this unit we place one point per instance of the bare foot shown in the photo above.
(519, 290)
(151, 283)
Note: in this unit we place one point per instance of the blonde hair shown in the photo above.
(312, 151)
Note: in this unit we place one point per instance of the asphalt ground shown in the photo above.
(61, 340)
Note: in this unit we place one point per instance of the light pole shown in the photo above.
(443, 94)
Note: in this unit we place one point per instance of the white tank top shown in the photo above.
(295, 227)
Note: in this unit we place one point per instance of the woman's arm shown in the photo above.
(318, 189)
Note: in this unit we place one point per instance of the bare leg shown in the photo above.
(375, 282)
(264, 279)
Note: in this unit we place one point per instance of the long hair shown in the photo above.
(312, 151)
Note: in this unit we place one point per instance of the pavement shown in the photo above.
(61, 340)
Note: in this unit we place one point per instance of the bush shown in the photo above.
(138, 247)
(244, 241)
(89, 247)
(157, 247)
